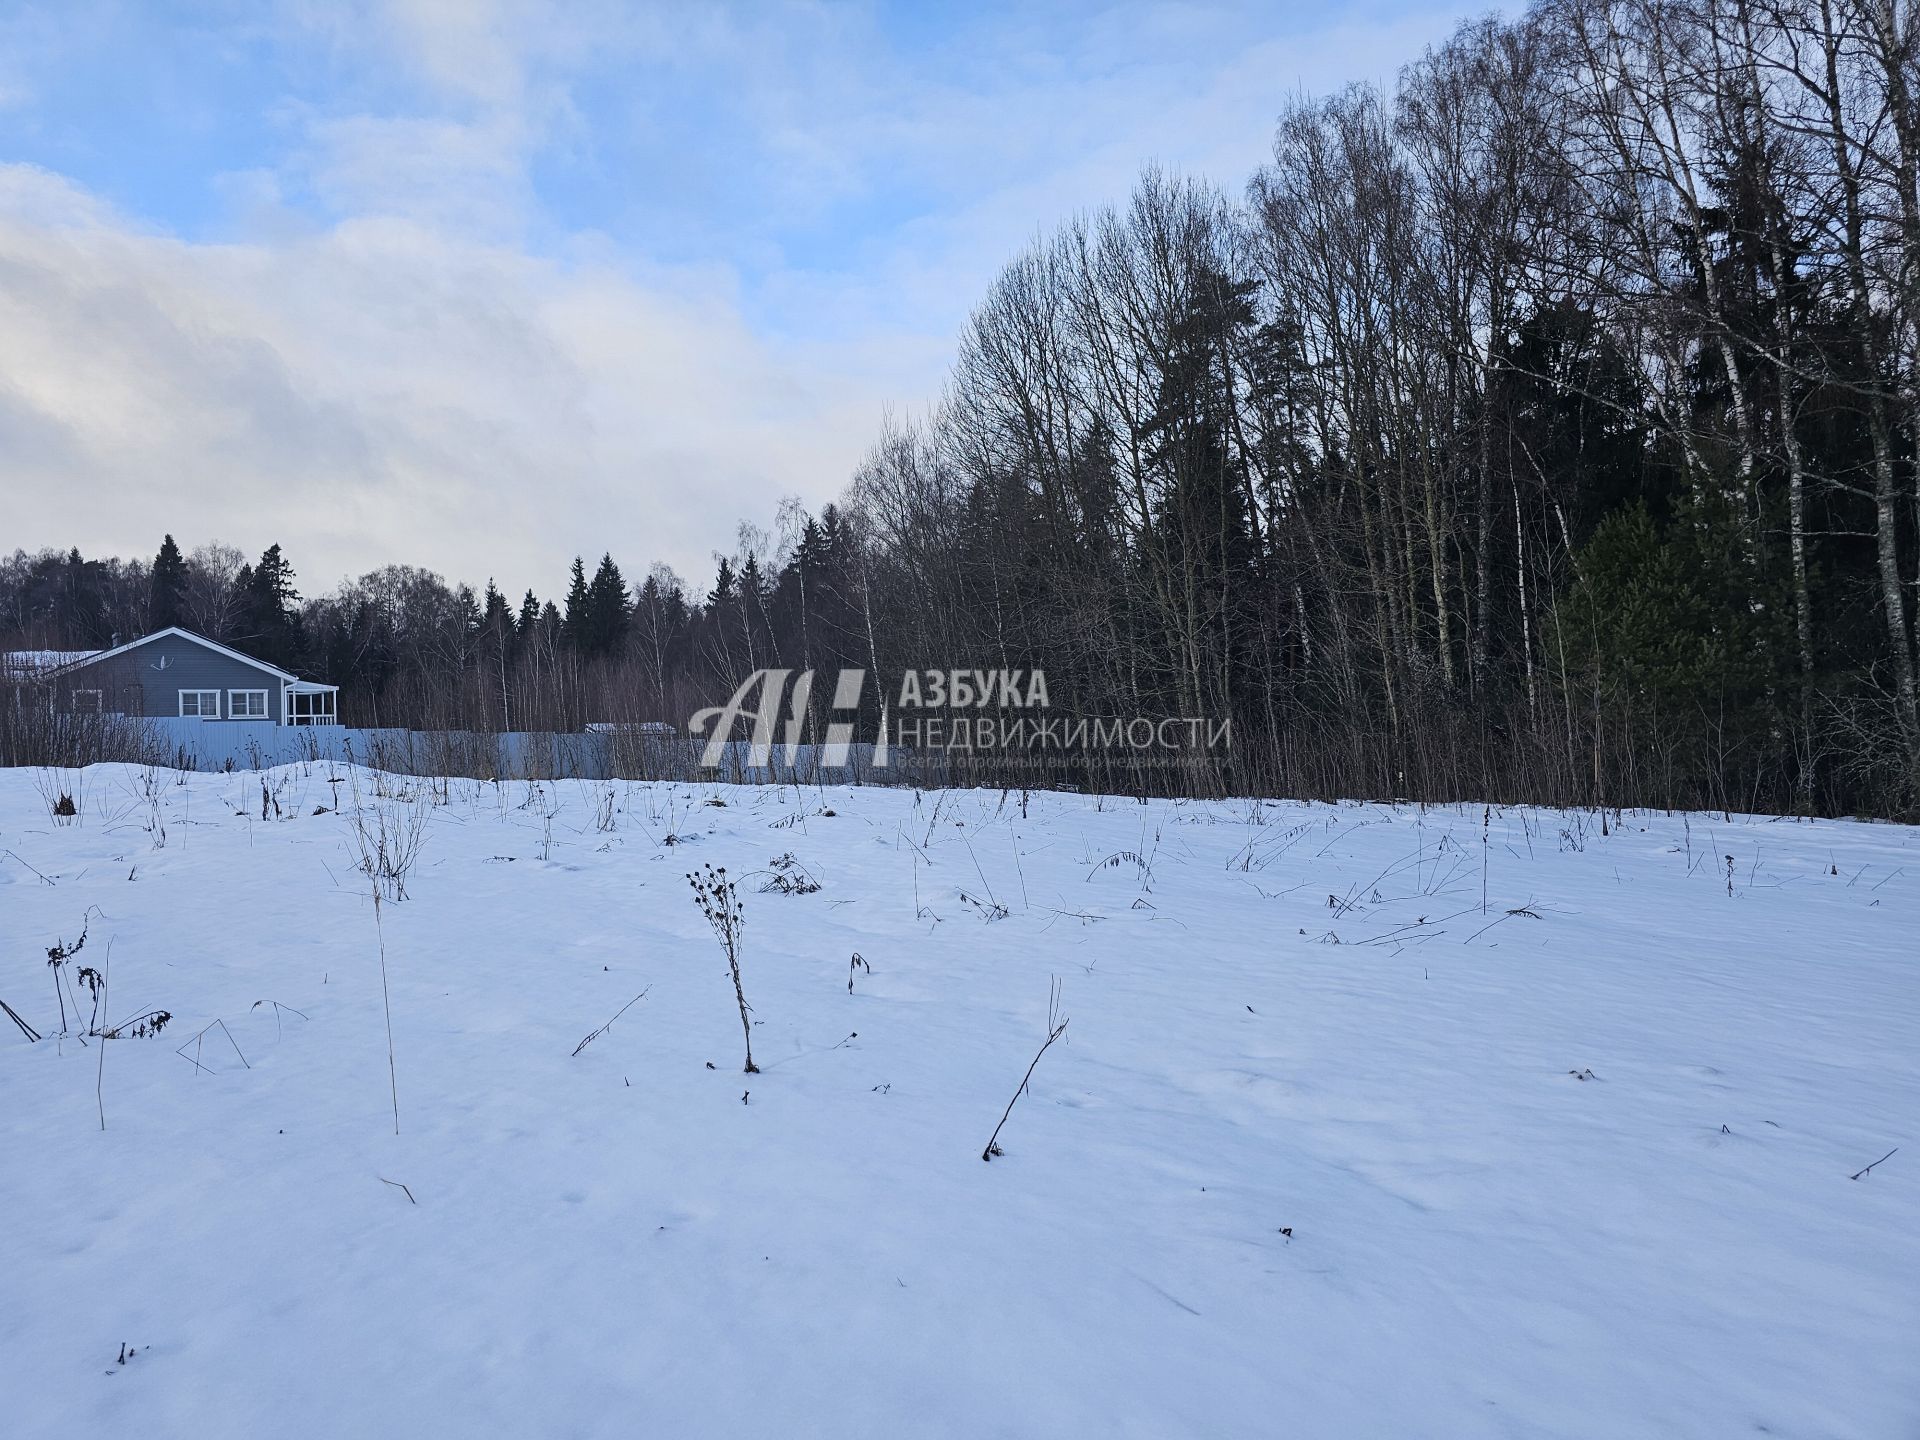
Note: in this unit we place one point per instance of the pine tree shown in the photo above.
(166, 604)
(79, 600)
(272, 585)
(573, 627)
(467, 604)
(606, 610)
(723, 586)
(271, 623)
(753, 607)
(496, 619)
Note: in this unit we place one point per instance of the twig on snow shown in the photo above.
(1527, 910)
(100, 1065)
(10, 855)
(197, 1038)
(1888, 1156)
(1056, 1027)
(25, 1029)
(277, 1009)
(596, 1034)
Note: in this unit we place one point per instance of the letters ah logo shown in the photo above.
(717, 722)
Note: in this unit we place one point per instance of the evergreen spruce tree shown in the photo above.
(496, 619)
(753, 609)
(271, 621)
(573, 627)
(723, 586)
(270, 584)
(471, 615)
(607, 610)
(166, 603)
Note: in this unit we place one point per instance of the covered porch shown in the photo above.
(307, 702)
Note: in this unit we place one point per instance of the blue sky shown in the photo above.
(481, 283)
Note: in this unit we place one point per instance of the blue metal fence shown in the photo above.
(517, 755)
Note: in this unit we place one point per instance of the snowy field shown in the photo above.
(1331, 1146)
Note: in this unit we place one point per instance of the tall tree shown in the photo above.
(575, 624)
(167, 605)
(606, 611)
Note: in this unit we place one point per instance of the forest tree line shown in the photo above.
(1541, 427)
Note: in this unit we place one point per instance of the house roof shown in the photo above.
(177, 633)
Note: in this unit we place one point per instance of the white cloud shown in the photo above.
(464, 46)
(464, 177)
(400, 348)
(377, 392)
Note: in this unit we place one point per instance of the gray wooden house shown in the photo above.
(175, 673)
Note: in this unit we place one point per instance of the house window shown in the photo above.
(204, 703)
(86, 702)
(246, 704)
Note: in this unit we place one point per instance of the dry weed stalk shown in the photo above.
(719, 900)
(1056, 1027)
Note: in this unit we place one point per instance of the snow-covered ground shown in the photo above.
(1327, 1149)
